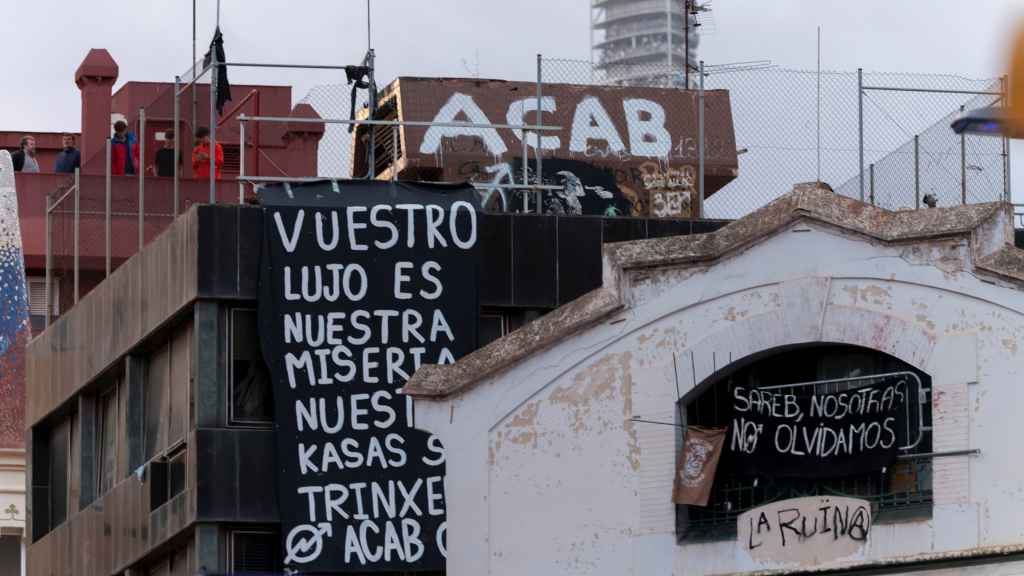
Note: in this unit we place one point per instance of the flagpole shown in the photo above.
(195, 94)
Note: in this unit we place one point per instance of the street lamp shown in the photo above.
(1005, 121)
(988, 122)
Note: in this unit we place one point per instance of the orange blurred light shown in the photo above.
(1017, 84)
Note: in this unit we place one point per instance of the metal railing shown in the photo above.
(769, 126)
(395, 125)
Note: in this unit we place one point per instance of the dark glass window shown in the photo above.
(176, 474)
(107, 408)
(255, 552)
(903, 490)
(60, 451)
(493, 325)
(157, 401)
(252, 401)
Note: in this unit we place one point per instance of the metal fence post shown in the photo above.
(213, 126)
(106, 211)
(700, 140)
(177, 142)
(49, 261)
(917, 172)
(394, 153)
(539, 151)
(241, 161)
(526, 173)
(76, 229)
(871, 177)
(1007, 185)
(142, 178)
(963, 164)
(860, 129)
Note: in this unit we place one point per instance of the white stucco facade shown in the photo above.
(547, 473)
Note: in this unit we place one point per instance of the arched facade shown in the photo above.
(562, 439)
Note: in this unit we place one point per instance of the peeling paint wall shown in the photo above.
(547, 473)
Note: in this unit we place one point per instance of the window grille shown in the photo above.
(903, 490)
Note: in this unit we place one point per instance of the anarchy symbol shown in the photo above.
(305, 542)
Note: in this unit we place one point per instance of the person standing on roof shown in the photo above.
(69, 158)
(24, 160)
(201, 155)
(164, 165)
(122, 150)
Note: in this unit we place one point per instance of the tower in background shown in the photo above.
(646, 42)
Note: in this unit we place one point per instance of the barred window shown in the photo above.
(901, 491)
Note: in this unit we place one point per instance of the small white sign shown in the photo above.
(805, 531)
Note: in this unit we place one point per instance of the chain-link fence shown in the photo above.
(334, 154)
(926, 158)
(796, 126)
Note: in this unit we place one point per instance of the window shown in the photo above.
(232, 159)
(107, 407)
(167, 477)
(51, 465)
(176, 474)
(10, 554)
(493, 325)
(156, 401)
(903, 490)
(37, 301)
(251, 401)
(60, 452)
(258, 552)
(166, 394)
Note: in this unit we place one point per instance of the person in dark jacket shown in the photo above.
(122, 150)
(24, 160)
(69, 158)
(164, 161)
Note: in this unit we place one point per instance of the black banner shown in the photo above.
(783, 434)
(361, 283)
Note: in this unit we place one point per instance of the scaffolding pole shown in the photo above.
(177, 142)
(106, 212)
(142, 177)
(75, 224)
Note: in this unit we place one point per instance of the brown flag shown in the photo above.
(695, 470)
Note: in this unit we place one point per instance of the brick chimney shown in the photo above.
(302, 141)
(95, 77)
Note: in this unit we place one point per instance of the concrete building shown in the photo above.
(563, 438)
(270, 151)
(645, 42)
(149, 409)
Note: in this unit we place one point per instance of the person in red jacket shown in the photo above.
(201, 155)
(123, 150)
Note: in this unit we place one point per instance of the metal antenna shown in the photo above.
(369, 43)
(819, 105)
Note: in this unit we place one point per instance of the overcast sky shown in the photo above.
(45, 40)
(151, 40)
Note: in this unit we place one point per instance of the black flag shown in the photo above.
(223, 87)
